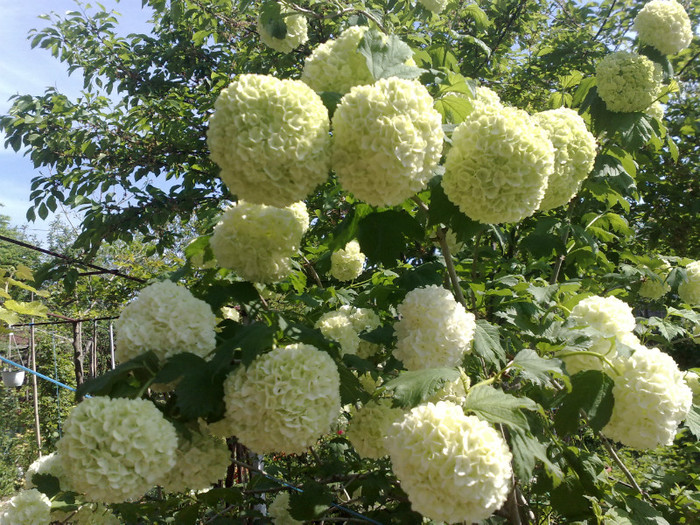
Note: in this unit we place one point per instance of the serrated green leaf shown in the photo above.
(692, 420)
(34, 308)
(527, 450)
(351, 390)
(272, 20)
(495, 406)
(9, 317)
(591, 392)
(311, 503)
(536, 369)
(487, 342)
(386, 56)
(118, 382)
(46, 484)
(453, 108)
(412, 388)
(384, 235)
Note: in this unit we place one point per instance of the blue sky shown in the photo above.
(25, 70)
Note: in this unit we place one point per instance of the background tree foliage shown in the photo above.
(130, 154)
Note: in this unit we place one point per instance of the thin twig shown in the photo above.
(620, 464)
(313, 272)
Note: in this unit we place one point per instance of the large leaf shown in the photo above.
(383, 236)
(413, 388)
(272, 20)
(387, 56)
(124, 380)
(536, 369)
(692, 421)
(487, 342)
(495, 406)
(310, 503)
(591, 392)
(527, 450)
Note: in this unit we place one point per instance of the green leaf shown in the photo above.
(536, 369)
(527, 450)
(46, 484)
(124, 380)
(423, 275)
(272, 20)
(35, 308)
(383, 236)
(213, 497)
(443, 211)
(453, 108)
(591, 392)
(253, 340)
(310, 504)
(331, 100)
(487, 342)
(187, 515)
(346, 231)
(351, 389)
(692, 421)
(495, 406)
(9, 317)
(413, 388)
(387, 56)
(667, 329)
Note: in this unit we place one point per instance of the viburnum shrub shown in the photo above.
(499, 164)
(628, 82)
(665, 25)
(270, 139)
(609, 315)
(387, 139)
(295, 36)
(28, 507)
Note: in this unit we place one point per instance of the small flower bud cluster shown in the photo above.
(347, 263)
(296, 34)
(370, 427)
(345, 325)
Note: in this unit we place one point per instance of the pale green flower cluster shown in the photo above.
(665, 25)
(345, 325)
(200, 462)
(94, 514)
(296, 34)
(499, 164)
(453, 391)
(454, 468)
(50, 464)
(651, 399)
(257, 241)
(167, 319)
(370, 427)
(656, 110)
(337, 65)
(284, 401)
(574, 154)
(434, 330)
(29, 507)
(278, 510)
(387, 140)
(114, 450)
(487, 96)
(654, 288)
(605, 346)
(347, 263)
(436, 6)
(693, 381)
(628, 82)
(270, 137)
(689, 291)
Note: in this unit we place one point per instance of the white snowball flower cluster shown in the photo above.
(296, 34)
(693, 381)
(284, 400)
(487, 96)
(436, 6)
(94, 514)
(574, 154)
(609, 315)
(258, 241)
(278, 510)
(453, 391)
(387, 140)
(651, 399)
(499, 164)
(29, 507)
(337, 65)
(199, 463)
(347, 263)
(434, 329)
(167, 319)
(345, 325)
(370, 427)
(270, 137)
(665, 25)
(689, 291)
(50, 464)
(628, 82)
(656, 110)
(654, 288)
(114, 450)
(453, 467)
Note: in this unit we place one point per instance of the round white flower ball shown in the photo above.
(487, 96)
(278, 510)
(499, 164)
(387, 138)
(29, 507)
(337, 326)
(574, 154)
(200, 461)
(453, 467)
(693, 381)
(257, 241)
(689, 291)
(651, 399)
(167, 319)
(628, 82)
(296, 34)
(270, 137)
(609, 315)
(114, 450)
(665, 25)
(434, 329)
(284, 400)
(337, 65)
(656, 110)
(347, 263)
(50, 464)
(370, 427)
(654, 288)
(453, 391)
(436, 6)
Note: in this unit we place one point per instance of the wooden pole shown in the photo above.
(35, 391)
(93, 351)
(78, 356)
(111, 344)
